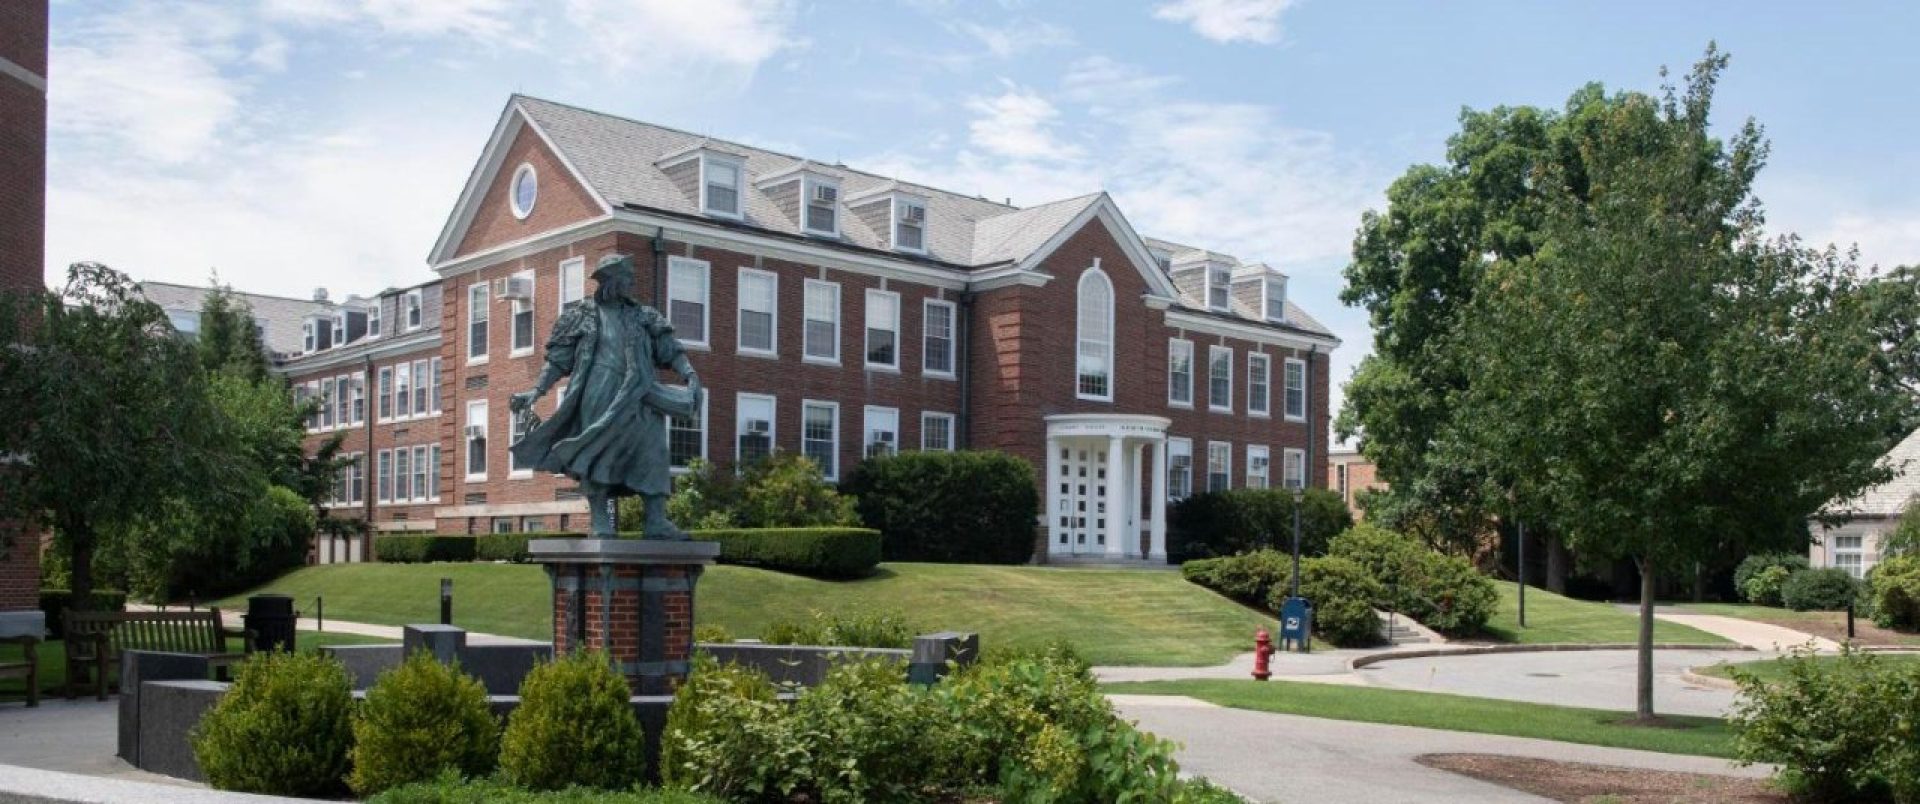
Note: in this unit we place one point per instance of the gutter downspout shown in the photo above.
(963, 439)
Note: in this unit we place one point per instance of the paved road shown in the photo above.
(1598, 679)
(1270, 757)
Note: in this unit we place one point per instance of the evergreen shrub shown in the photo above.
(973, 507)
(1894, 588)
(1759, 577)
(418, 720)
(825, 552)
(1840, 728)
(1344, 595)
(423, 549)
(574, 726)
(1829, 589)
(877, 628)
(283, 728)
(1224, 523)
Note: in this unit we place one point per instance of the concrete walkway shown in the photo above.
(1271, 757)
(1759, 636)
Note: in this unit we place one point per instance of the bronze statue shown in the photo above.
(609, 432)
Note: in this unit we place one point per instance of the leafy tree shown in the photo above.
(1671, 384)
(228, 341)
(1905, 538)
(1893, 300)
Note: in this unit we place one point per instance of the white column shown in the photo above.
(1050, 500)
(1116, 498)
(1136, 463)
(1158, 549)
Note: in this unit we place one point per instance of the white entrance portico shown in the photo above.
(1096, 465)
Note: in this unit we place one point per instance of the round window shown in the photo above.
(526, 190)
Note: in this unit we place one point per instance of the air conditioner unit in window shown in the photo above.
(823, 194)
(883, 438)
(759, 427)
(515, 288)
(913, 214)
(475, 431)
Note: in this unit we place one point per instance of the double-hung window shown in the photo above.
(522, 334)
(307, 342)
(720, 187)
(411, 303)
(573, 282)
(1180, 373)
(759, 312)
(687, 293)
(343, 399)
(1293, 471)
(1258, 462)
(910, 225)
(339, 330)
(477, 317)
(433, 384)
(1296, 392)
(385, 391)
(1276, 298)
(1220, 378)
(359, 382)
(687, 437)
(403, 390)
(820, 435)
(822, 322)
(516, 468)
(423, 471)
(883, 329)
(1179, 468)
(1849, 553)
(385, 479)
(373, 318)
(822, 215)
(403, 475)
(476, 439)
(1259, 372)
(326, 404)
(1219, 466)
(1095, 337)
(883, 431)
(357, 479)
(938, 344)
(1219, 287)
(753, 428)
(421, 383)
(936, 432)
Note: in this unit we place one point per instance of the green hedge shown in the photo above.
(55, 602)
(1829, 589)
(512, 547)
(424, 548)
(821, 552)
(953, 507)
(1225, 523)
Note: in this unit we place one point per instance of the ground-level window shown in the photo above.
(1179, 468)
(883, 431)
(1219, 466)
(936, 432)
(1849, 554)
(1294, 473)
(1258, 461)
(753, 426)
(503, 524)
(687, 436)
(820, 436)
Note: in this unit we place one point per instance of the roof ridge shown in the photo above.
(230, 288)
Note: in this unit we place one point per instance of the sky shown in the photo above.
(285, 145)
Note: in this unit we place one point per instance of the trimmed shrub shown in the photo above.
(712, 633)
(867, 629)
(724, 732)
(782, 490)
(1224, 523)
(975, 507)
(418, 720)
(284, 728)
(508, 547)
(819, 552)
(55, 602)
(573, 727)
(1893, 586)
(1249, 577)
(1840, 729)
(1759, 577)
(423, 549)
(1343, 595)
(1445, 593)
(1827, 589)
(449, 788)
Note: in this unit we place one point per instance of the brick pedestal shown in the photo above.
(629, 597)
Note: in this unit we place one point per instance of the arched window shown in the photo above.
(1095, 363)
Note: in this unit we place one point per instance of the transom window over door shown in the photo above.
(883, 329)
(822, 322)
(759, 295)
(687, 299)
(1095, 362)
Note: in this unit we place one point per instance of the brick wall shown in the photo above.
(23, 181)
(1361, 477)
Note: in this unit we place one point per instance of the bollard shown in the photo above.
(319, 614)
(446, 601)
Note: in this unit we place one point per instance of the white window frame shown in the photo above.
(1099, 340)
(1270, 288)
(1214, 400)
(1224, 289)
(479, 311)
(1260, 394)
(514, 470)
(866, 319)
(1858, 552)
(953, 436)
(897, 218)
(423, 475)
(1176, 447)
(1289, 458)
(1225, 449)
(513, 191)
(773, 314)
(357, 397)
(706, 299)
(806, 337)
(517, 309)
(740, 421)
(403, 390)
(926, 338)
(403, 475)
(1286, 394)
(339, 331)
(383, 477)
(383, 386)
(867, 428)
(707, 163)
(476, 415)
(373, 319)
(1261, 457)
(309, 339)
(413, 310)
(831, 472)
(807, 183)
(575, 269)
(1174, 347)
(433, 390)
(706, 433)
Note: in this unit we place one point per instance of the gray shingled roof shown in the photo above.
(1890, 498)
(1014, 235)
(281, 317)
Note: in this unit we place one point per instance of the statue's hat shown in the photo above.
(613, 263)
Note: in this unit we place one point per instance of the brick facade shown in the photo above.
(1349, 473)
(23, 182)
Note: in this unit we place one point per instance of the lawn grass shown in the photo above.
(1679, 735)
(1553, 618)
(53, 665)
(1115, 617)
(1772, 670)
(1750, 611)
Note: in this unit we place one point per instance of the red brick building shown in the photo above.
(830, 312)
(23, 226)
(1348, 474)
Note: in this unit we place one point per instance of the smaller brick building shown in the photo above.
(1349, 473)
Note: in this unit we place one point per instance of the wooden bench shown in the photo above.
(28, 669)
(95, 640)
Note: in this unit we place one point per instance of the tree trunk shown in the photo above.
(1643, 703)
(79, 540)
(1558, 559)
(1699, 583)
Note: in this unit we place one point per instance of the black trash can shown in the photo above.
(271, 619)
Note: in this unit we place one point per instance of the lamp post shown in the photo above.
(1298, 496)
(1521, 565)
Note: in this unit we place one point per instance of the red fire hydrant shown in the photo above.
(1262, 648)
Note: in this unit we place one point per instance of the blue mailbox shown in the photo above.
(1296, 624)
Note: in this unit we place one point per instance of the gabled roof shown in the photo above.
(1890, 499)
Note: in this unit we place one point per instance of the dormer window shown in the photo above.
(822, 213)
(1276, 298)
(307, 344)
(1219, 287)
(412, 304)
(339, 330)
(373, 319)
(910, 225)
(720, 186)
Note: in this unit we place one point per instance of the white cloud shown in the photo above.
(728, 33)
(1886, 238)
(484, 20)
(1016, 37)
(149, 84)
(1228, 20)
(1015, 124)
(1101, 80)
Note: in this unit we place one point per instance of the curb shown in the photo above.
(1701, 679)
(1358, 662)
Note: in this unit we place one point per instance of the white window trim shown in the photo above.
(1080, 334)
(413, 301)
(1305, 402)
(383, 494)
(1266, 476)
(514, 310)
(1286, 456)
(739, 186)
(1266, 299)
(953, 433)
(706, 301)
(512, 473)
(1226, 470)
(773, 315)
(833, 475)
(376, 324)
(1213, 403)
(807, 183)
(893, 222)
(1172, 442)
(706, 435)
(866, 331)
(569, 265)
(1265, 409)
(435, 397)
(1173, 345)
(466, 449)
(866, 428)
(485, 294)
(805, 355)
(339, 331)
(423, 475)
(740, 401)
(513, 191)
(308, 337)
(953, 337)
(1228, 307)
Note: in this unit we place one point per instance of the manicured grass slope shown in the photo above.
(1771, 670)
(1552, 618)
(1115, 617)
(1680, 735)
(53, 665)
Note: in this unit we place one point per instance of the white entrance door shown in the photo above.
(1080, 500)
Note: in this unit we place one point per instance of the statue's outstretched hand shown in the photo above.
(521, 401)
(693, 385)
